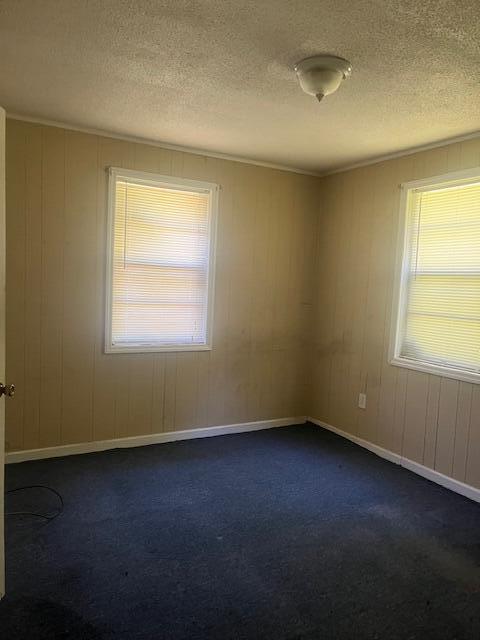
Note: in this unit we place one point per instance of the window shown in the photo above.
(160, 263)
(437, 317)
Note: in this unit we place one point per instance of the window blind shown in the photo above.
(441, 323)
(160, 265)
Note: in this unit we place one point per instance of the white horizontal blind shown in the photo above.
(441, 323)
(160, 265)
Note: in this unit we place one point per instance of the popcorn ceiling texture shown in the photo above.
(217, 74)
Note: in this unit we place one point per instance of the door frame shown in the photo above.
(2, 348)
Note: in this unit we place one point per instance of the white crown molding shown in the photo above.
(232, 158)
(154, 438)
(157, 143)
(430, 474)
(400, 154)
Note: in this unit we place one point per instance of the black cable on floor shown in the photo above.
(32, 513)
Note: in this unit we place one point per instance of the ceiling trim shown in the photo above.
(232, 158)
(400, 154)
(163, 145)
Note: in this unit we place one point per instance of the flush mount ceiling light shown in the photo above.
(322, 74)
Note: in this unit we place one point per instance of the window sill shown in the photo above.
(438, 370)
(157, 349)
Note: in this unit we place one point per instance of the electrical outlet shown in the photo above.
(362, 400)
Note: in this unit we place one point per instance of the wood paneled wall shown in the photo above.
(431, 420)
(68, 390)
(303, 301)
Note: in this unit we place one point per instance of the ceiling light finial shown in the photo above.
(321, 75)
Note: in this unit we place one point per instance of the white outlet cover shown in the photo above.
(362, 400)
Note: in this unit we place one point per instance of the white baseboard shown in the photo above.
(207, 432)
(154, 438)
(379, 451)
(435, 476)
(446, 481)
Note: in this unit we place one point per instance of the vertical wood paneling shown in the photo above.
(303, 300)
(107, 369)
(426, 418)
(374, 339)
(53, 206)
(262, 299)
(15, 284)
(158, 393)
(140, 390)
(447, 418)
(33, 285)
(340, 356)
(186, 384)
(69, 390)
(239, 239)
(399, 401)
(415, 416)
(79, 318)
(431, 421)
(386, 406)
(282, 385)
(257, 300)
(361, 249)
(169, 391)
(472, 475)
(462, 428)
(324, 303)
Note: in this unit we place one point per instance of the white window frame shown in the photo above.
(401, 276)
(169, 182)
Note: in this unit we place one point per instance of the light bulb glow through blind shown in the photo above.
(160, 265)
(441, 315)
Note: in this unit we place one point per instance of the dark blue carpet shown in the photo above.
(286, 534)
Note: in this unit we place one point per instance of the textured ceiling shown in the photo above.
(217, 74)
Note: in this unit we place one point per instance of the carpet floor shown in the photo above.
(285, 534)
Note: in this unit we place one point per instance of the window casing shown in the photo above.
(436, 314)
(160, 263)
